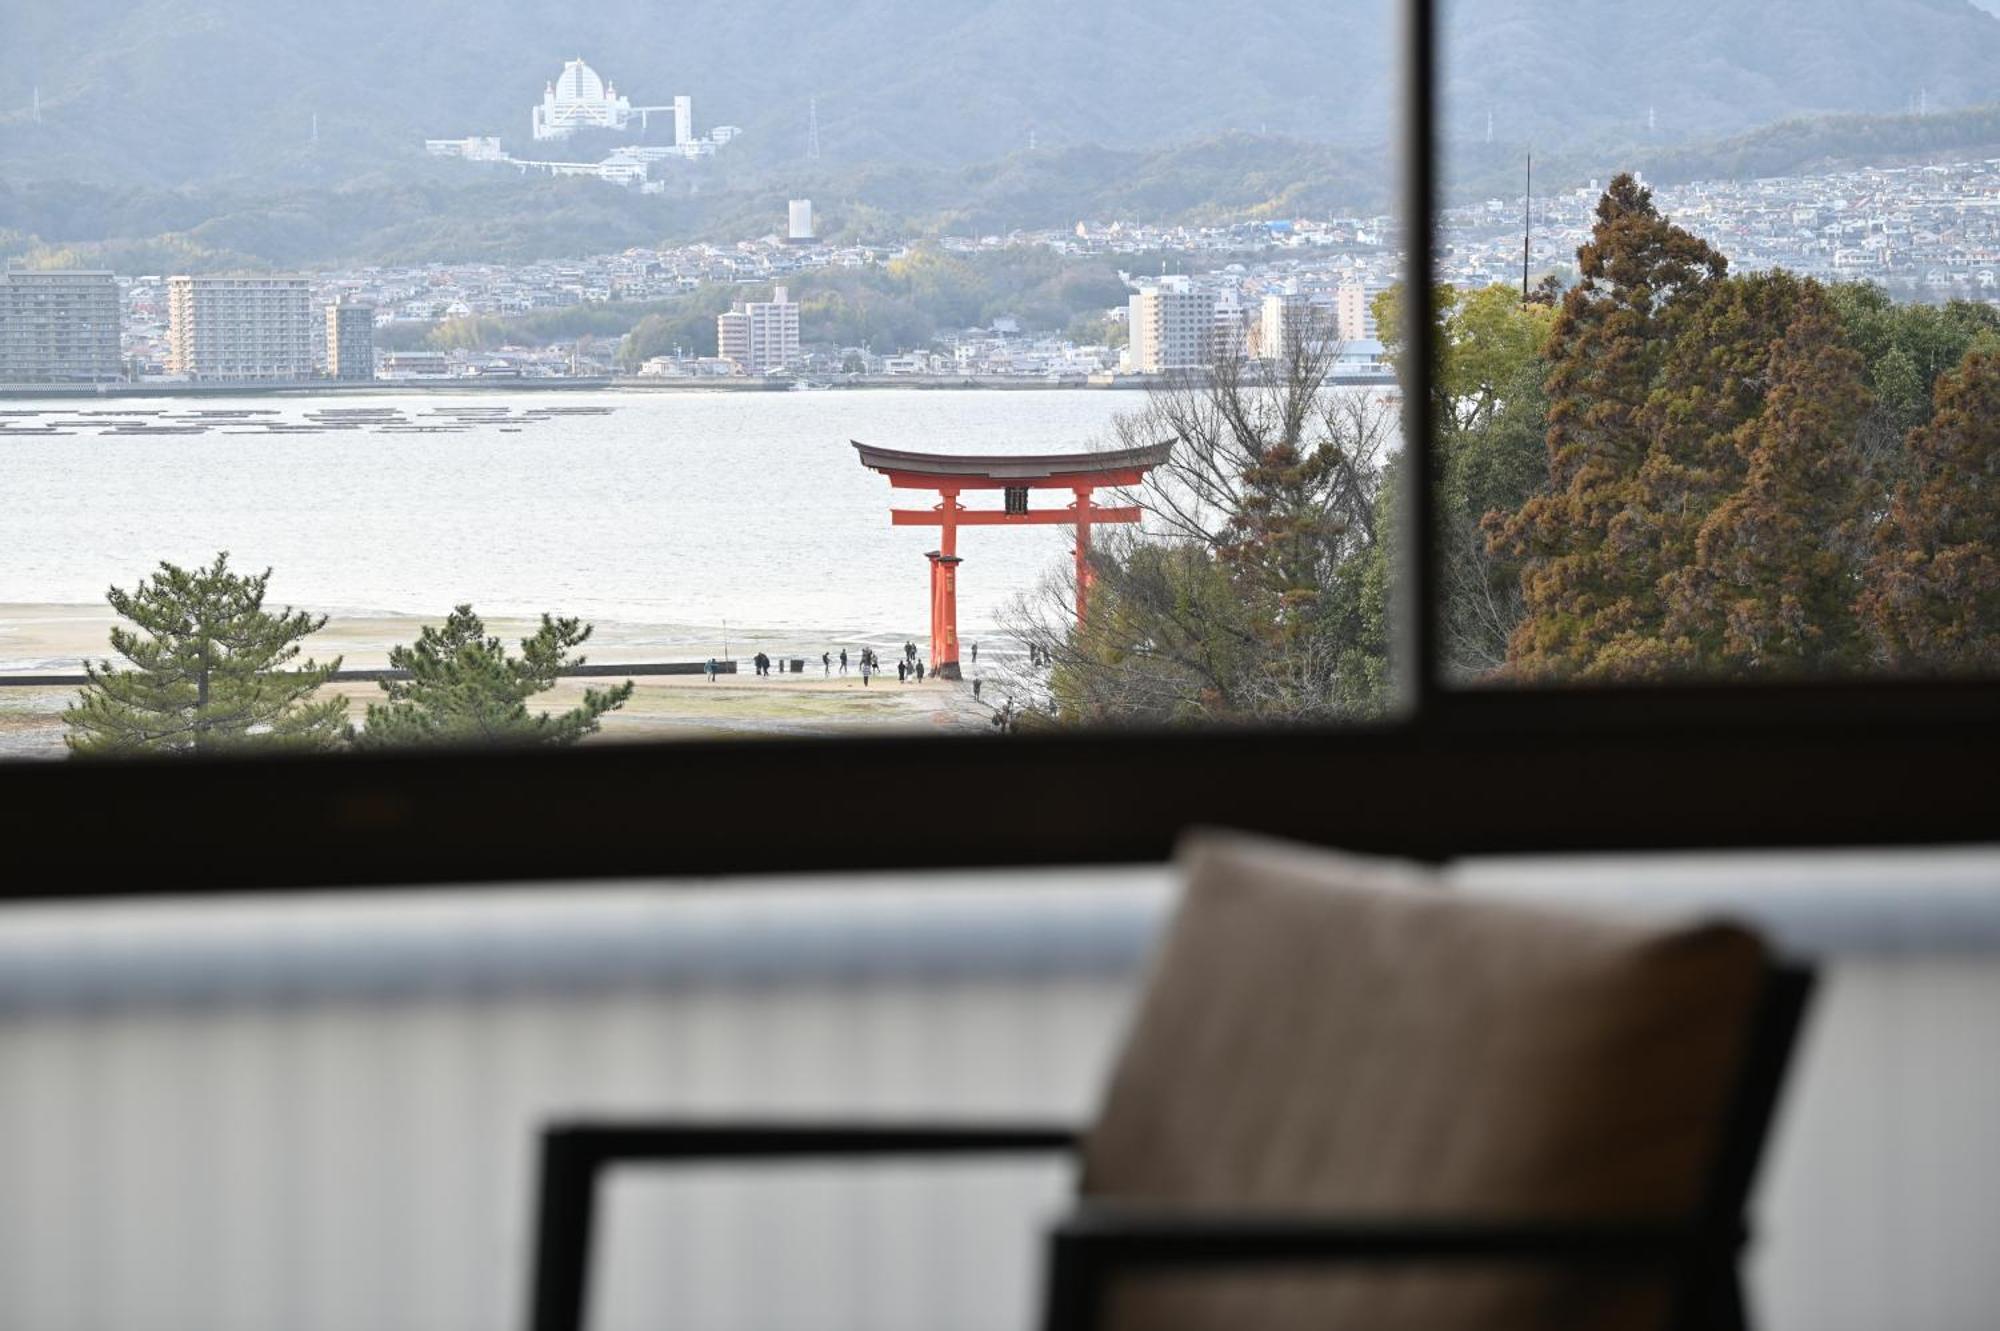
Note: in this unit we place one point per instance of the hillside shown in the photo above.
(1803, 145)
(463, 212)
(170, 93)
(1580, 73)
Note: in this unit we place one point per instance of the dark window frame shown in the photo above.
(1883, 761)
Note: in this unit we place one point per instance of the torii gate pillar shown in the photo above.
(944, 614)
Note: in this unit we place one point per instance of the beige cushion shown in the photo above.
(1340, 1035)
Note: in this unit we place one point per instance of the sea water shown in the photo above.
(658, 508)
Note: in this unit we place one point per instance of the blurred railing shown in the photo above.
(318, 1113)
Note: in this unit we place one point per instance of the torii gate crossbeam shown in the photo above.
(950, 475)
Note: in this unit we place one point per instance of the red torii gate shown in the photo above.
(1015, 473)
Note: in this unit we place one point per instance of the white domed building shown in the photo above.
(579, 99)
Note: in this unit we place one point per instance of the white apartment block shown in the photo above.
(239, 329)
(1229, 335)
(1277, 321)
(761, 335)
(1285, 317)
(59, 327)
(1171, 330)
(479, 148)
(732, 337)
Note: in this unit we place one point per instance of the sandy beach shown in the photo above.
(55, 639)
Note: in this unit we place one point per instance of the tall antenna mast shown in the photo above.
(1527, 214)
(812, 129)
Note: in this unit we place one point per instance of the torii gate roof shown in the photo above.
(1121, 466)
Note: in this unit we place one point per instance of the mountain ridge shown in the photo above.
(460, 212)
(221, 92)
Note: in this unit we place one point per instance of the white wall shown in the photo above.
(318, 1114)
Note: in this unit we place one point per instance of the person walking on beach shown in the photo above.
(975, 653)
(709, 669)
(902, 673)
(826, 664)
(920, 670)
(843, 660)
(864, 670)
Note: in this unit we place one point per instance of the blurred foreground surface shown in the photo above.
(319, 1112)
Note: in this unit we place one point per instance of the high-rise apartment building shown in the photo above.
(237, 329)
(1357, 320)
(1171, 330)
(1286, 318)
(58, 327)
(800, 228)
(1229, 334)
(350, 341)
(759, 335)
(732, 337)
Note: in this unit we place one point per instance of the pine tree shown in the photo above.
(464, 688)
(1932, 595)
(1593, 559)
(209, 670)
(1776, 565)
(1274, 542)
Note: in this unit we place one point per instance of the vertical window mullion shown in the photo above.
(1418, 664)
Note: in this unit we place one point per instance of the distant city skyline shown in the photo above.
(1923, 231)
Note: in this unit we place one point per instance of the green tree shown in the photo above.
(1486, 338)
(208, 670)
(1907, 347)
(1593, 563)
(464, 688)
(946, 288)
(1489, 454)
(473, 332)
(660, 335)
(1932, 599)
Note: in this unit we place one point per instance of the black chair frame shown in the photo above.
(1094, 1244)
